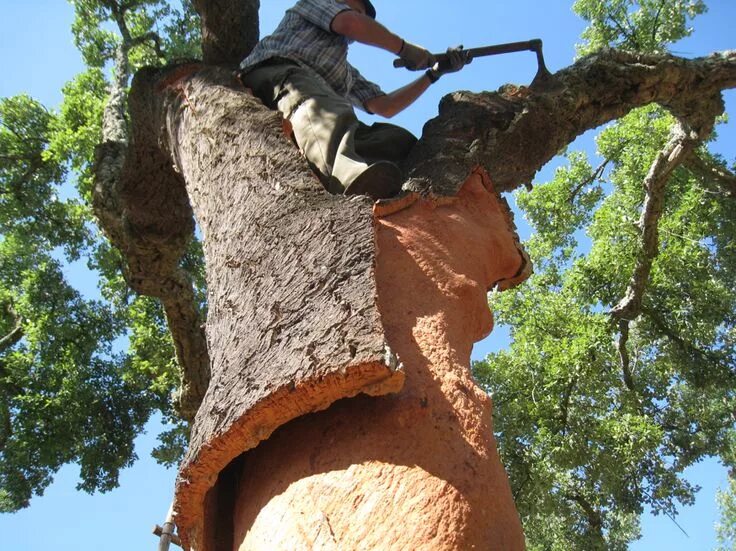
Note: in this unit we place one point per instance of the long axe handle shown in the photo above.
(534, 45)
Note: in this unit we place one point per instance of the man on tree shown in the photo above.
(302, 70)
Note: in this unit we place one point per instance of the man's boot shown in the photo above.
(380, 180)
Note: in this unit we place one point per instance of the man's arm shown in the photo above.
(393, 103)
(389, 105)
(362, 28)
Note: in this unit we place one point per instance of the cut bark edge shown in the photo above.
(285, 404)
(387, 207)
(375, 378)
(526, 267)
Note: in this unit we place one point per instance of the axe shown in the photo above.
(534, 45)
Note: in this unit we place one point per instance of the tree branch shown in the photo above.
(149, 37)
(684, 345)
(229, 29)
(624, 354)
(597, 174)
(681, 144)
(515, 131)
(151, 223)
(627, 30)
(15, 334)
(13, 158)
(655, 25)
(152, 264)
(707, 170)
(13, 337)
(186, 325)
(592, 515)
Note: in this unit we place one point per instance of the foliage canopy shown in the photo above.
(591, 429)
(66, 395)
(591, 426)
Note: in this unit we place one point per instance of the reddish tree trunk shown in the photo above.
(419, 469)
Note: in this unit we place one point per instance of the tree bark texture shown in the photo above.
(152, 257)
(292, 324)
(418, 469)
(515, 131)
(294, 321)
(229, 29)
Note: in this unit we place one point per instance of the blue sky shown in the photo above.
(37, 56)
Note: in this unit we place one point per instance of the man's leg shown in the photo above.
(325, 127)
(383, 141)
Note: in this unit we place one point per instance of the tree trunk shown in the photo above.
(229, 29)
(314, 298)
(419, 469)
(292, 324)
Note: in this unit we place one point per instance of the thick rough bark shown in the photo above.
(416, 470)
(292, 323)
(144, 210)
(515, 131)
(229, 29)
(140, 230)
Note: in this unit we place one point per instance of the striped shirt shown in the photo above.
(305, 37)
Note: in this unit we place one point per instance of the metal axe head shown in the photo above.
(543, 78)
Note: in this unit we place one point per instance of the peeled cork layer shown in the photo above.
(413, 470)
(292, 321)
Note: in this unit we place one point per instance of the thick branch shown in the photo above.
(151, 252)
(148, 218)
(114, 123)
(515, 131)
(709, 171)
(592, 515)
(16, 333)
(623, 353)
(229, 29)
(682, 142)
(186, 326)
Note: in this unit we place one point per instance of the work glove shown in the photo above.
(453, 60)
(415, 57)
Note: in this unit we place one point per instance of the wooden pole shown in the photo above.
(166, 533)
